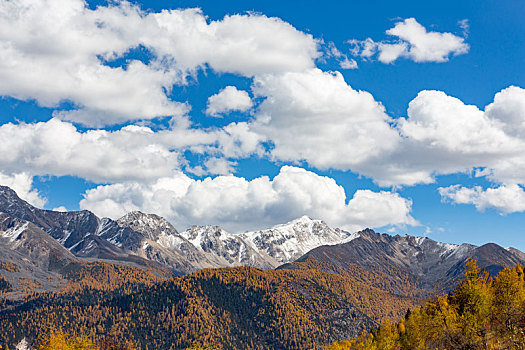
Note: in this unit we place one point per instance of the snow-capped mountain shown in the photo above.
(150, 225)
(226, 249)
(144, 238)
(152, 237)
(289, 241)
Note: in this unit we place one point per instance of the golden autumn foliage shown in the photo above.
(5, 286)
(200, 347)
(103, 276)
(226, 308)
(392, 280)
(481, 313)
(57, 340)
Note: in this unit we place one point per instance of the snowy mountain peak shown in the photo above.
(203, 236)
(226, 249)
(291, 240)
(150, 225)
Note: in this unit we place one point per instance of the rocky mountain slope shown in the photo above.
(29, 258)
(138, 236)
(409, 266)
(405, 265)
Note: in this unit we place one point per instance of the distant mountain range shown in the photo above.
(405, 265)
(137, 237)
(320, 284)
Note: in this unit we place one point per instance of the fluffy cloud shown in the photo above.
(413, 42)
(54, 51)
(239, 204)
(130, 153)
(21, 183)
(58, 50)
(312, 116)
(315, 116)
(244, 44)
(507, 199)
(227, 100)
(508, 109)
(426, 46)
(445, 122)
(442, 135)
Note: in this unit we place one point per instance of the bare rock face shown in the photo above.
(33, 243)
(29, 257)
(397, 261)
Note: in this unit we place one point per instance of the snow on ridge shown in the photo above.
(63, 240)
(13, 233)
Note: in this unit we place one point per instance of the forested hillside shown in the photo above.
(227, 308)
(481, 313)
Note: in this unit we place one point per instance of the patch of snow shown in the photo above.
(74, 245)
(13, 233)
(349, 238)
(448, 248)
(63, 240)
(419, 240)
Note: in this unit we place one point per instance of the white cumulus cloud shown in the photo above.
(239, 204)
(315, 116)
(56, 51)
(413, 42)
(133, 152)
(506, 199)
(442, 135)
(227, 100)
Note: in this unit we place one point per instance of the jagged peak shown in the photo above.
(134, 214)
(139, 215)
(150, 224)
(368, 231)
(6, 189)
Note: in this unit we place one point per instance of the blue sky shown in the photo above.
(319, 112)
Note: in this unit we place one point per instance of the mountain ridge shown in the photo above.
(405, 265)
(151, 237)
